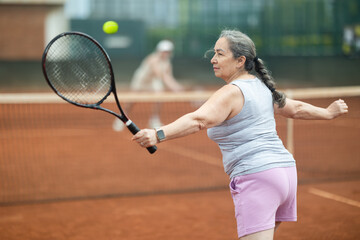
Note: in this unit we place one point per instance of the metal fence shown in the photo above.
(278, 27)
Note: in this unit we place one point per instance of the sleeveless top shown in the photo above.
(249, 142)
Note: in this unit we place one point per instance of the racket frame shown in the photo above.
(122, 116)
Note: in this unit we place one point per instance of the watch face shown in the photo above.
(160, 135)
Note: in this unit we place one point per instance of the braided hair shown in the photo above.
(241, 45)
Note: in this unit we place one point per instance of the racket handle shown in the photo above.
(134, 129)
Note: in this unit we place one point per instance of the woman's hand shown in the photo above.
(145, 137)
(337, 108)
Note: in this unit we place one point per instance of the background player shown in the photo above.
(154, 74)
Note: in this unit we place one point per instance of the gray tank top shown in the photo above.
(249, 142)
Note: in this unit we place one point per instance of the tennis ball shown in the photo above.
(110, 27)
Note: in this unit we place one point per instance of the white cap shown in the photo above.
(165, 46)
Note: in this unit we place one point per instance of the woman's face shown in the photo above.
(224, 64)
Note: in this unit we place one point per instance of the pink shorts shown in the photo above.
(263, 198)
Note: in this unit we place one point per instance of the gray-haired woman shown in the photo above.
(239, 117)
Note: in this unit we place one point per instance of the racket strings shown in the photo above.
(78, 70)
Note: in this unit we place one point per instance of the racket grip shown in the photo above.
(134, 129)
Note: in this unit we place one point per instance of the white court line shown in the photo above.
(195, 155)
(334, 197)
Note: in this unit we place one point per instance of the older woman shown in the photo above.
(239, 117)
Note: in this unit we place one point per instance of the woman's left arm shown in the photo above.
(301, 110)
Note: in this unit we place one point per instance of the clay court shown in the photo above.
(65, 174)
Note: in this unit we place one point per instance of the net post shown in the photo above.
(290, 130)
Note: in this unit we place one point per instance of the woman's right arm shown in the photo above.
(223, 104)
(301, 110)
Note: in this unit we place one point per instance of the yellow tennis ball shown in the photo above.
(110, 27)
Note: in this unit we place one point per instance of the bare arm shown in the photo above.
(163, 70)
(222, 105)
(169, 80)
(301, 110)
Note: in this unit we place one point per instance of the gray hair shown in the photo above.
(241, 45)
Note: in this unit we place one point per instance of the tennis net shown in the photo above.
(52, 150)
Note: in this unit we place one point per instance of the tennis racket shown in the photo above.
(79, 70)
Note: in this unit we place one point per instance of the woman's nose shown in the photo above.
(213, 59)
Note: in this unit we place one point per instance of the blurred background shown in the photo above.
(52, 151)
(305, 43)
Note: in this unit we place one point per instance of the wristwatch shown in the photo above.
(160, 135)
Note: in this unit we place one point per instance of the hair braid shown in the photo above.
(263, 73)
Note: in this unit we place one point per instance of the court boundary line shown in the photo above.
(195, 155)
(334, 197)
(192, 154)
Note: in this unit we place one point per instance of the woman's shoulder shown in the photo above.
(229, 89)
(228, 93)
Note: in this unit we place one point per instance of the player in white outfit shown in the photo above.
(154, 74)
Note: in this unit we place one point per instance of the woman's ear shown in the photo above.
(241, 61)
